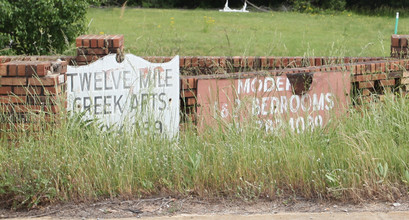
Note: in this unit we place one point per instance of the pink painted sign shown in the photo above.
(301, 100)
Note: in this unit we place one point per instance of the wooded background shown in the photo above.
(324, 4)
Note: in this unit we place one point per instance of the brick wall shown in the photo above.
(370, 80)
(29, 88)
(42, 76)
(93, 47)
(399, 46)
(203, 65)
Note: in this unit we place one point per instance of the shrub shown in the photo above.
(334, 4)
(312, 6)
(41, 26)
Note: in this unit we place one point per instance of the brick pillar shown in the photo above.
(93, 47)
(28, 88)
(399, 46)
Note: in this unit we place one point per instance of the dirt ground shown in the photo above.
(168, 206)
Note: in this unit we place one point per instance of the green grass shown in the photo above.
(364, 156)
(149, 32)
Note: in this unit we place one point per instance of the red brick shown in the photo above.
(383, 69)
(50, 80)
(52, 108)
(21, 69)
(277, 62)
(191, 101)
(85, 41)
(12, 69)
(394, 66)
(378, 67)
(3, 69)
(101, 41)
(188, 61)
(285, 62)
(181, 62)
(43, 69)
(263, 62)
(361, 78)
(50, 90)
(201, 62)
(222, 62)
(11, 99)
(378, 76)
(367, 84)
(87, 58)
(117, 40)
(4, 90)
(188, 93)
(92, 51)
(250, 62)
(189, 83)
(243, 62)
(298, 62)
(373, 67)
(167, 59)
(394, 41)
(27, 90)
(94, 42)
(318, 62)
(346, 59)
(23, 108)
(43, 100)
(403, 42)
(208, 61)
(216, 62)
(13, 81)
(366, 92)
(389, 82)
(78, 41)
(157, 60)
(31, 69)
(362, 68)
(236, 61)
(311, 61)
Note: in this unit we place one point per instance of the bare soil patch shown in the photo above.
(169, 206)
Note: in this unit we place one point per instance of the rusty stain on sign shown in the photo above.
(299, 100)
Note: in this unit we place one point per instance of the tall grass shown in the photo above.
(363, 156)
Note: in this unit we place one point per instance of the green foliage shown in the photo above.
(304, 6)
(41, 26)
(363, 156)
(337, 5)
(314, 6)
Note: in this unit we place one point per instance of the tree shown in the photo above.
(41, 26)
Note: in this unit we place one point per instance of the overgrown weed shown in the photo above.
(360, 157)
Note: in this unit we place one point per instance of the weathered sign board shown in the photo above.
(133, 92)
(299, 101)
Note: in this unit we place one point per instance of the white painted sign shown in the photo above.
(134, 92)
